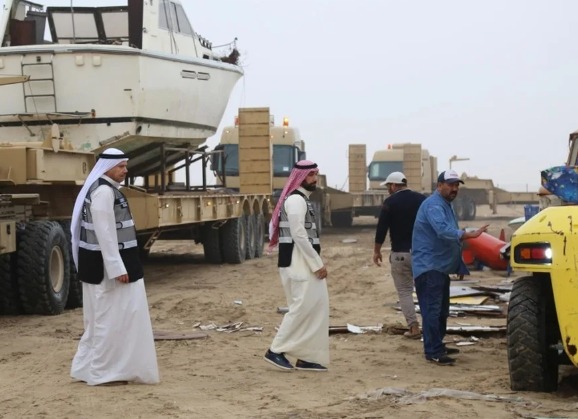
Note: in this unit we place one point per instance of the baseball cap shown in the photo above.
(397, 178)
(449, 176)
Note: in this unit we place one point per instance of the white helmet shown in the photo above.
(396, 178)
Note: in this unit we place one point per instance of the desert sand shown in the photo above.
(371, 375)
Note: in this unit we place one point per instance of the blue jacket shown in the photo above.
(436, 243)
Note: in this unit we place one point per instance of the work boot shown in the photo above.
(413, 332)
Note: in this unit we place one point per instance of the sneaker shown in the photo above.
(442, 360)
(278, 360)
(452, 351)
(309, 366)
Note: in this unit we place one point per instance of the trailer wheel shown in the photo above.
(212, 244)
(469, 206)
(250, 236)
(458, 206)
(43, 268)
(532, 331)
(259, 235)
(234, 240)
(74, 299)
(341, 219)
(9, 295)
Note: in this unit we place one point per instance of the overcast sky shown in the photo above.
(493, 81)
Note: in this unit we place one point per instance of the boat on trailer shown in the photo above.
(134, 76)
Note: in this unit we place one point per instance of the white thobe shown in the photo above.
(118, 342)
(304, 331)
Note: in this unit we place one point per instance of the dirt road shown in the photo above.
(224, 376)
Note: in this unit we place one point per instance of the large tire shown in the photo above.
(259, 235)
(341, 219)
(43, 268)
(532, 332)
(469, 209)
(212, 244)
(74, 299)
(9, 295)
(234, 240)
(458, 206)
(250, 236)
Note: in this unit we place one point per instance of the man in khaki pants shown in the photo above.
(398, 216)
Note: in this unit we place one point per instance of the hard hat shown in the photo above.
(397, 178)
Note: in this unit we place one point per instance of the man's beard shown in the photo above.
(309, 186)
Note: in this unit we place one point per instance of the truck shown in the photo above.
(421, 170)
(288, 147)
(542, 320)
(50, 135)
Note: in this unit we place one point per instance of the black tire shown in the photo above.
(74, 299)
(9, 295)
(250, 236)
(341, 219)
(532, 332)
(458, 206)
(259, 235)
(43, 268)
(469, 209)
(212, 244)
(234, 240)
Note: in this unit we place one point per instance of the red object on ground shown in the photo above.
(485, 249)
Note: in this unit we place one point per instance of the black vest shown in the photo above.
(90, 262)
(286, 242)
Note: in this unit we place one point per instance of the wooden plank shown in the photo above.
(254, 130)
(257, 154)
(254, 116)
(251, 142)
(255, 166)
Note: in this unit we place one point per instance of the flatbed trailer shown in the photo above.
(39, 183)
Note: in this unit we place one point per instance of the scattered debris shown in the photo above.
(347, 241)
(238, 302)
(407, 397)
(465, 343)
(351, 328)
(231, 327)
(165, 335)
(282, 310)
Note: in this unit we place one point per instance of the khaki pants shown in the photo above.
(403, 281)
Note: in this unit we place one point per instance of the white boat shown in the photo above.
(135, 75)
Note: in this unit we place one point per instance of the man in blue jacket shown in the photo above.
(437, 253)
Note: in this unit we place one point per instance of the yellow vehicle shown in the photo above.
(543, 313)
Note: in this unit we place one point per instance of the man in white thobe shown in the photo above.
(117, 344)
(304, 331)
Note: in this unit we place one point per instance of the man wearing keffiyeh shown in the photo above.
(304, 331)
(117, 344)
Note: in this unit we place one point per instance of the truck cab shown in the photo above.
(287, 148)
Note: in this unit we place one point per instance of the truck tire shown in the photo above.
(250, 236)
(9, 295)
(74, 299)
(43, 266)
(531, 333)
(458, 206)
(212, 244)
(469, 209)
(234, 240)
(259, 235)
(341, 219)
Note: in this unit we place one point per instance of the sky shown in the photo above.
(495, 82)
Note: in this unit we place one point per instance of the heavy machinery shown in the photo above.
(421, 170)
(542, 327)
(50, 134)
(288, 147)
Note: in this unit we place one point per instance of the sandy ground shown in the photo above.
(224, 376)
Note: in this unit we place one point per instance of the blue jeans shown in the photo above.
(433, 294)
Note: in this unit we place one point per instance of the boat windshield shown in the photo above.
(89, 25)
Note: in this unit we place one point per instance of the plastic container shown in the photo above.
(530, 211)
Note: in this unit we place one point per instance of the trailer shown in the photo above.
(39, 183)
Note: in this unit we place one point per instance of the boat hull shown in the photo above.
(99, 94)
